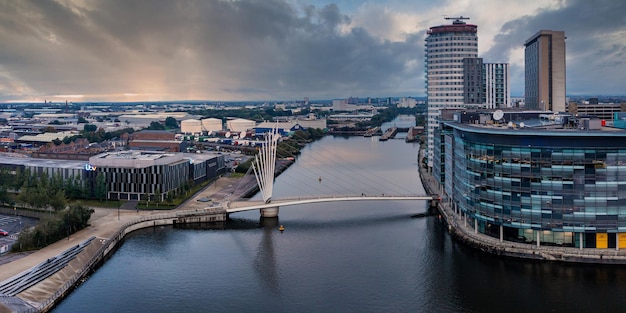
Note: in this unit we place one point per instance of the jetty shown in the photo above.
(390, 133)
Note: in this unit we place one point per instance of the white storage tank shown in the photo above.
(211, 125)
(240, 125)
(191, 126)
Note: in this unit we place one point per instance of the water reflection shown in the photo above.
(265, 263)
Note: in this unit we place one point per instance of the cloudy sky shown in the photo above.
(140, 50)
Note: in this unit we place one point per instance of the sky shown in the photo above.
(237, 50)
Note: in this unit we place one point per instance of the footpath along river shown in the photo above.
(337, 257)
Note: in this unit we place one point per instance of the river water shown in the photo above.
(368, 256)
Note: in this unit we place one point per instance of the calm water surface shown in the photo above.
(337, 257)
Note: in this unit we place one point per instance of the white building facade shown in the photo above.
(446, 47)
(497, 88)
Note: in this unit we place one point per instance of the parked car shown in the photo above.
(3, 232)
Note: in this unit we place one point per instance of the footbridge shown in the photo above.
(240, 206)
(264, 166)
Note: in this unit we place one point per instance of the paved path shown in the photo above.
(104, 223)
(464, 231)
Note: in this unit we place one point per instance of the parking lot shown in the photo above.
(13, 224)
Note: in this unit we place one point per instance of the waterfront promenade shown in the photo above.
(463, 231)
(105, 224)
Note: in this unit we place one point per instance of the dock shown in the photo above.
(390, 133)
(376, 131)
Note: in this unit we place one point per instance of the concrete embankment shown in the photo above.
(461, 230)
(389, 134)
(107, 231)
(108, 228)
(47, 291)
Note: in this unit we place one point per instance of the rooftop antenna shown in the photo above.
(457, 20)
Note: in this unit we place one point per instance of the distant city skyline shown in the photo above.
(88, 50)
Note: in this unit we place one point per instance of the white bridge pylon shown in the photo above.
(264, 166)
(241, 206)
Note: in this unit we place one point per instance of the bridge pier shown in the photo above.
(269, 212)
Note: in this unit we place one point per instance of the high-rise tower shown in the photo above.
(446, 47)
(544, 71)
(496, 84)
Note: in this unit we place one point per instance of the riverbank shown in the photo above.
(461, 230)
(108, 227)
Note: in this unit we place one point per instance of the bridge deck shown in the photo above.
(241, 206)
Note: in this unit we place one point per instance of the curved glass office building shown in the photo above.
(557, 180)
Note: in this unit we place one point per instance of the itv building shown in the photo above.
(535, 177)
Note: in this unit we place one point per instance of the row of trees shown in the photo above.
(40, 191)
(256, 114)
(54, 228)
(95, 134)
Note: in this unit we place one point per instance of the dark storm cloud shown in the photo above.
(209, 49)
(595, 43)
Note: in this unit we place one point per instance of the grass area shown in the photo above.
(237, 175)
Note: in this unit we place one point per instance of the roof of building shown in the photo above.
(49, 163)
(535, 123)
(47, 137)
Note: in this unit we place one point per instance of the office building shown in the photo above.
(603, 111)
(140, 175)
(446, 47)
(544, 68)
(536, 177)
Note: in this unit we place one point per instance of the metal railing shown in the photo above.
(102, 252)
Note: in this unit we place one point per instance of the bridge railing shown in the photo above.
(363, 195)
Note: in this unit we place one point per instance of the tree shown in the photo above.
(57, 200)
(54, 228)
(171, 122)
(101, 187)
(81, 120)
(90, 128)
(156, 126)
(49, 129)
(158, 195)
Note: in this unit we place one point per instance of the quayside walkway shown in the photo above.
(464, 232)
(35, 281)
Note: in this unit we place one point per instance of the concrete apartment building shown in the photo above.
(544, 68)
(497, 88)
(473, 81)
(446, 47)
(486, 84)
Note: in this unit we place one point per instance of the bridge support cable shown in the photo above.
(264, 166)
(353, 173)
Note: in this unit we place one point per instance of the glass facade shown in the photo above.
(558, 188)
